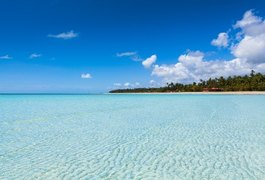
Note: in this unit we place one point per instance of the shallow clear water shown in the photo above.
(132, 136)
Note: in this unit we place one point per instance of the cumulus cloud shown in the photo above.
(251, 49)
(133, 55)
(149, 61)
(6, 57)
(252, 45)
(221, 41)
(64, 35)
(249, 19)
(34, 55)
(86, 76)
(248, 51)
(193, 67)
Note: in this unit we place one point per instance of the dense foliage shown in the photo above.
(252, 82)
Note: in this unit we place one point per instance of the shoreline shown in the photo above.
(204, 93)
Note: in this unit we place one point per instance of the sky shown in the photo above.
(99, 45)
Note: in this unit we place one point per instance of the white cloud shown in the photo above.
(34, 55)
(221, 41)
(117, 84)
(192, 58)
(132, 85)
(152, 81)
(132, 55)
(64, 35)
(251, 48)
(136, 58)
(248, 50)
(137, 84)
(126, 54)
(248, 20)
(192, 67)
(127, 84)
(252, 45)
(86, 76)
(149, 61)
(6, 57)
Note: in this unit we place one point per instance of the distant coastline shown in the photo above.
(205, 93)
(254, 83)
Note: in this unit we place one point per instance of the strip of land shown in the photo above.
(224, 93)
(254, 83)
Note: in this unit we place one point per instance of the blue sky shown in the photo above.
(48, 46)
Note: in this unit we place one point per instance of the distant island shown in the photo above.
(252, 82)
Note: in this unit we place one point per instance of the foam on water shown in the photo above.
(132, 137)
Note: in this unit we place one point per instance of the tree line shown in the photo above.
(252, 82)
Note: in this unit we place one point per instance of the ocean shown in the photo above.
(123, 136)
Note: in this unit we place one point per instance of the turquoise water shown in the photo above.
(132, 137)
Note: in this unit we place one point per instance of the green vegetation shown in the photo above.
(252, 82)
